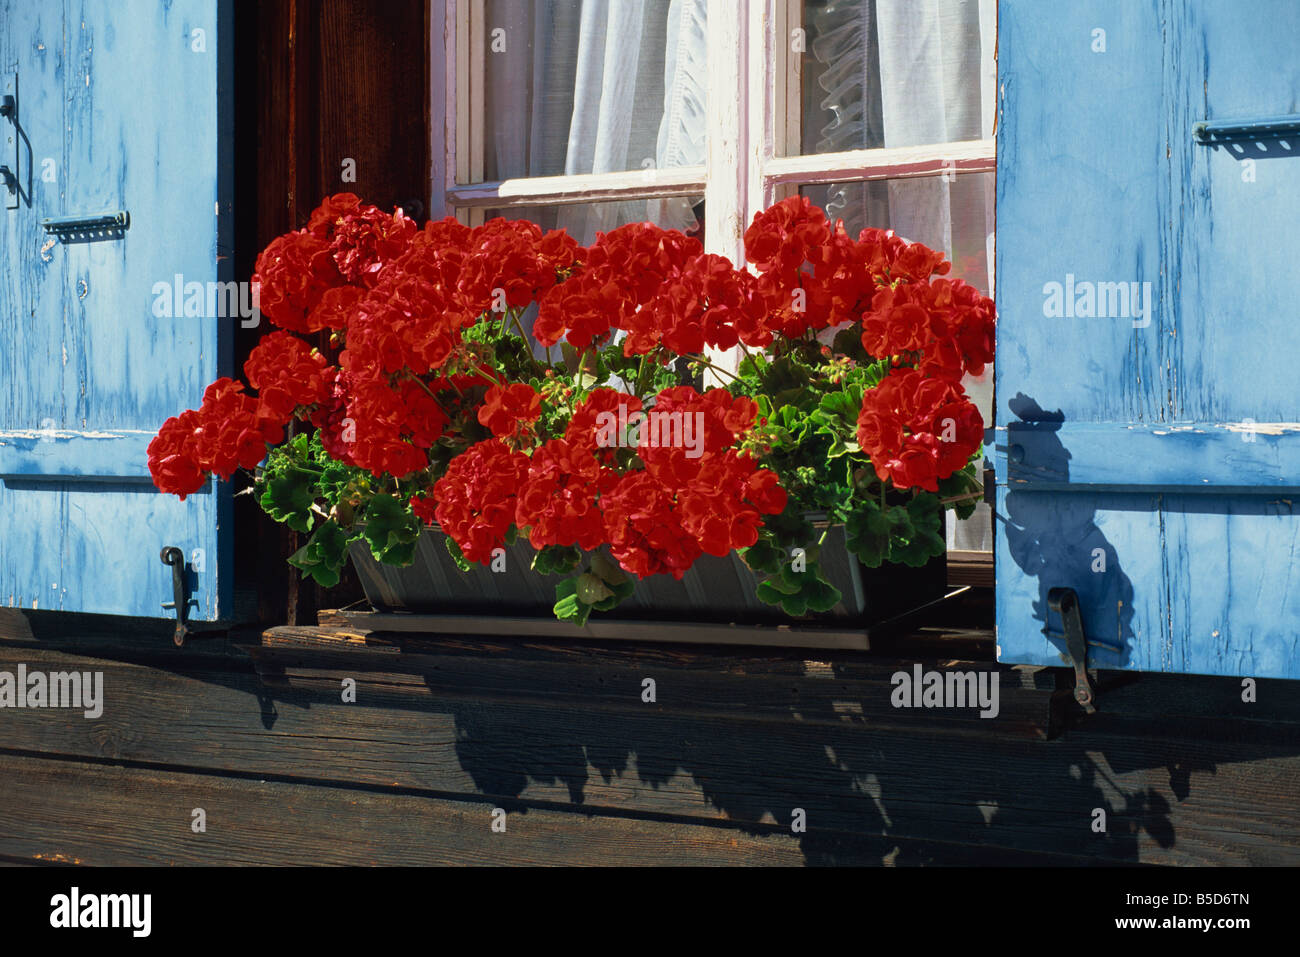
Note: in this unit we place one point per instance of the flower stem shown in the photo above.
(705, 362)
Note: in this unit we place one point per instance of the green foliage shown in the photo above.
(287, 496)
(324, 555)
(799, 592)
(456, 554)
(916, 533)
(391, 530)
(963, 486)
(603, 586)
(764, 556)
(556, 560)
(867, 533)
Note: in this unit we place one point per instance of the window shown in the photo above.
(696, 114)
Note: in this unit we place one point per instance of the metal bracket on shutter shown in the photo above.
(12, 134)
(1065, 602)
(1262, 127)
(173, 556)
(86, 228)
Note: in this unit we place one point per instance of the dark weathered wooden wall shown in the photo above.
(319, 82)
(444, 731)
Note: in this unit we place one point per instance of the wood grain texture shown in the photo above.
(118, 105)
(336, 80)
(1147, 459)
(149, 813)
(710, 772)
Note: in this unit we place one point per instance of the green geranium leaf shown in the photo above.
(959, 484)
(607, 570)
(456, 554)
(842, 406)
(848, 342)
(591, 589)
(921, 531)
(867, 533)
(763, 556)
(823, 596)
(771, 595)
(391, 530)
(798, 592)
(619, 584)
(324, 555)
(568, 606)
(288, 496)
(789, 529)
(556, 560)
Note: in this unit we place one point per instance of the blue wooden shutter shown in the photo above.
(1149, 458)
(123, 107)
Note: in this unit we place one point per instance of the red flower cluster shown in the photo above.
(622, 271)
(475, 500)
(918, 430)
(288, 374)
(948, 321)
(559, 501)
(696, 494)
(229, 431)
(346, 243)
(510, 411)
(515, 257)
(814, 276)
(709, 303)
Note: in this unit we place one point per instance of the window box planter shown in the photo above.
(716, 590)
(433, 406)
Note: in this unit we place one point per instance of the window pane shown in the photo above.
(595, 86)
(885, 73)
(951, 213)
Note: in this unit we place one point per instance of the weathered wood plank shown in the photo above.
(141, 639)
(601, 675)
(781, 636)
(94, 815)
(1169, 800)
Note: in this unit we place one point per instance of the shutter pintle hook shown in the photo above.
(1065, 602)
(173, 556)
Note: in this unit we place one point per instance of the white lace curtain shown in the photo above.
(889, 73)
(607, 86)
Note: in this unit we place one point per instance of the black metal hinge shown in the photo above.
(1065, 603)
(173, 556)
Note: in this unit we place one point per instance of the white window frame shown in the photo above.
(748, 123)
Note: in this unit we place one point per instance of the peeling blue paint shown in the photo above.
(1175, 448)
(87, 374)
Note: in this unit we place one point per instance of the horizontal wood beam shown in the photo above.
(1256, 458)
(783, 636)
(63, 455)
